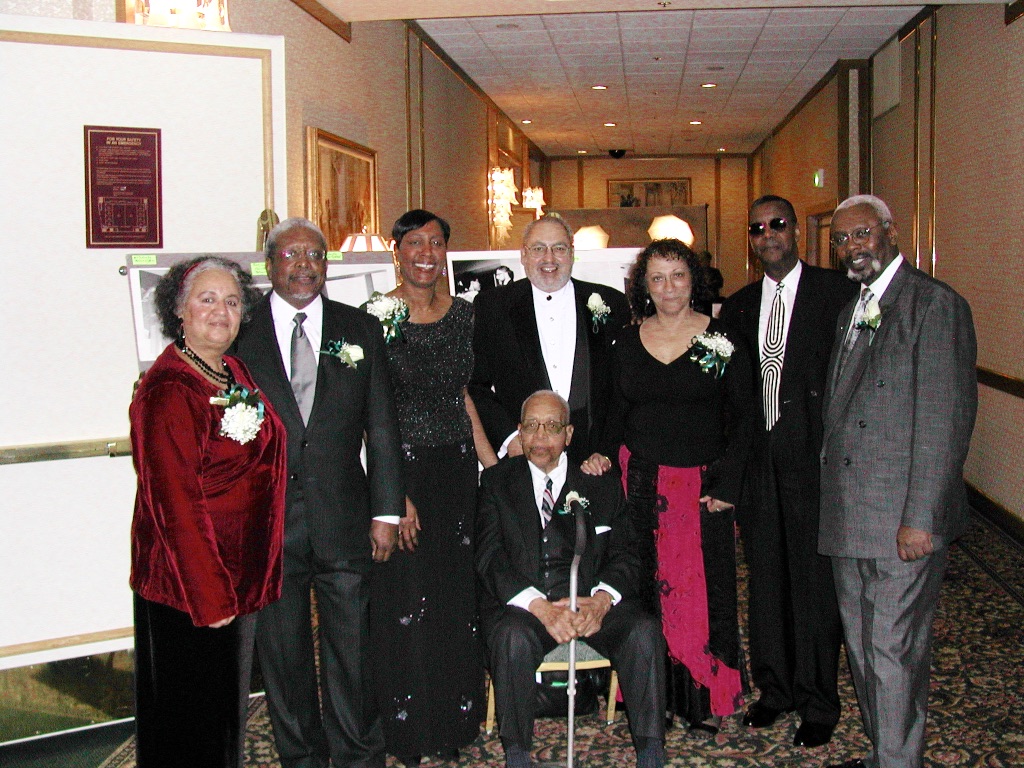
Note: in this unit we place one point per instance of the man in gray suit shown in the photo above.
(902, 398)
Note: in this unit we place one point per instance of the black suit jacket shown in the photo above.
(820, 296)
(509, 364)
(324, 470)
(508, 533)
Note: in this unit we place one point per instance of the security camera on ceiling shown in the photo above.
(617, 153)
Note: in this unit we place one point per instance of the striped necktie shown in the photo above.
(853, 332)
(547, 504)
(771, 359)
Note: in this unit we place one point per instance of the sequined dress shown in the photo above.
(428, 663)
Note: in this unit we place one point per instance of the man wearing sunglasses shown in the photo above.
(549, 331)
(525, 534)
(901, 400)
(789, 316)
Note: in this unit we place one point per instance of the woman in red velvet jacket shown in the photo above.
(210, 456)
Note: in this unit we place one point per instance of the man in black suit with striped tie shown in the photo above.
(789, 317)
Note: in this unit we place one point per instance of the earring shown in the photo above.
(444, 271)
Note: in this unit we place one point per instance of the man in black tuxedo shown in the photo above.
(548, 331)
(795, 634)
(525, 537)
(321, 364)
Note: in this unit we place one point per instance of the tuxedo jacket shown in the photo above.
(325, 474)
(508, 533)
(509, 363)
(820, 296)
(898, 421)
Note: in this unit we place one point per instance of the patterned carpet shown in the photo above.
(975, 715)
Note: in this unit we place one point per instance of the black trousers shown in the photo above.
(334, 718)
(794, 625)
(629, 636)
(191, 688)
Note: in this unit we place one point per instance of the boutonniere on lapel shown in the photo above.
(243, 413)
(349, 354)
(712, 352)
(872, 318)
(572, 496)
(599, 311)
(392, 311)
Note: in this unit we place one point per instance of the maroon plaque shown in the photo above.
(122, 187)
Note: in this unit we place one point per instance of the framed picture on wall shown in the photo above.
(646, 193)
(341, 186)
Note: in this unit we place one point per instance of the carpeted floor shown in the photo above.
(975, 715)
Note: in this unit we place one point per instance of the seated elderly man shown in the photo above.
(525, 539)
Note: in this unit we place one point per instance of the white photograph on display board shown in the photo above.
(473, 272)
(351, 279)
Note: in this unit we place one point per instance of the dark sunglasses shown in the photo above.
(777, 225)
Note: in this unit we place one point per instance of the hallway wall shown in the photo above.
(978, 166)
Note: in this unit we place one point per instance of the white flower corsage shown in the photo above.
(871, 319)
(599, 311)
(243, 413)
(715, 351)
(392, 311)
(572, 496)
(349, 354)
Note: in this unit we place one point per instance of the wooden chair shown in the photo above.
(558, 661)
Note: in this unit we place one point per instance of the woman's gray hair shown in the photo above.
(270, 247)
(876, 203)
(175, 287)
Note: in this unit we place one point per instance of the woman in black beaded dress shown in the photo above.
(680, 430)
(428, 664)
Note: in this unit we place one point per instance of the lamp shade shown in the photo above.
(363, 242)
(590, 238)
(671, 226)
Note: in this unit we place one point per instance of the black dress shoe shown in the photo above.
(760, 715)
(812, 734)
(858, 763)
(449, 756)
(410, 761)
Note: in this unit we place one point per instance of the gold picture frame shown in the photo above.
(341, 186)
(648, 193)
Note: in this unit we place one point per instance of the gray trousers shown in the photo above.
(887, 607)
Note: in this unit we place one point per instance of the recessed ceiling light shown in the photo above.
(581, 151)
(599, 87)
(709, 85)
(507, 25)
(716, 69)
(609, 125)
(695, 122)
(721, 149)
(527, 122)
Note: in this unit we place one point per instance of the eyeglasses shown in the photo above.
(551, 427)
(778, 224)
(859, 235)
(311, 254)
(558, 249)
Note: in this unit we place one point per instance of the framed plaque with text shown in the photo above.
(123, 194)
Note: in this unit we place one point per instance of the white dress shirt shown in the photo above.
(283, 315)
(882, 281)
(557, 475)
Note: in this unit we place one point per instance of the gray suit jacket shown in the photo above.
(898, 421)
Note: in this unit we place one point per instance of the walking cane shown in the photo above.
(578, 548)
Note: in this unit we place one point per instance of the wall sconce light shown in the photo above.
(533, 197)
(190, 14)
(502, 191)
(590, 238)
(363, 242)
(671, 226)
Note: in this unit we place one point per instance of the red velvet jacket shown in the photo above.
(209, 511)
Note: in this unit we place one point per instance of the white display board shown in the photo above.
(67, 339)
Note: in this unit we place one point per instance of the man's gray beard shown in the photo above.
(875, 263)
